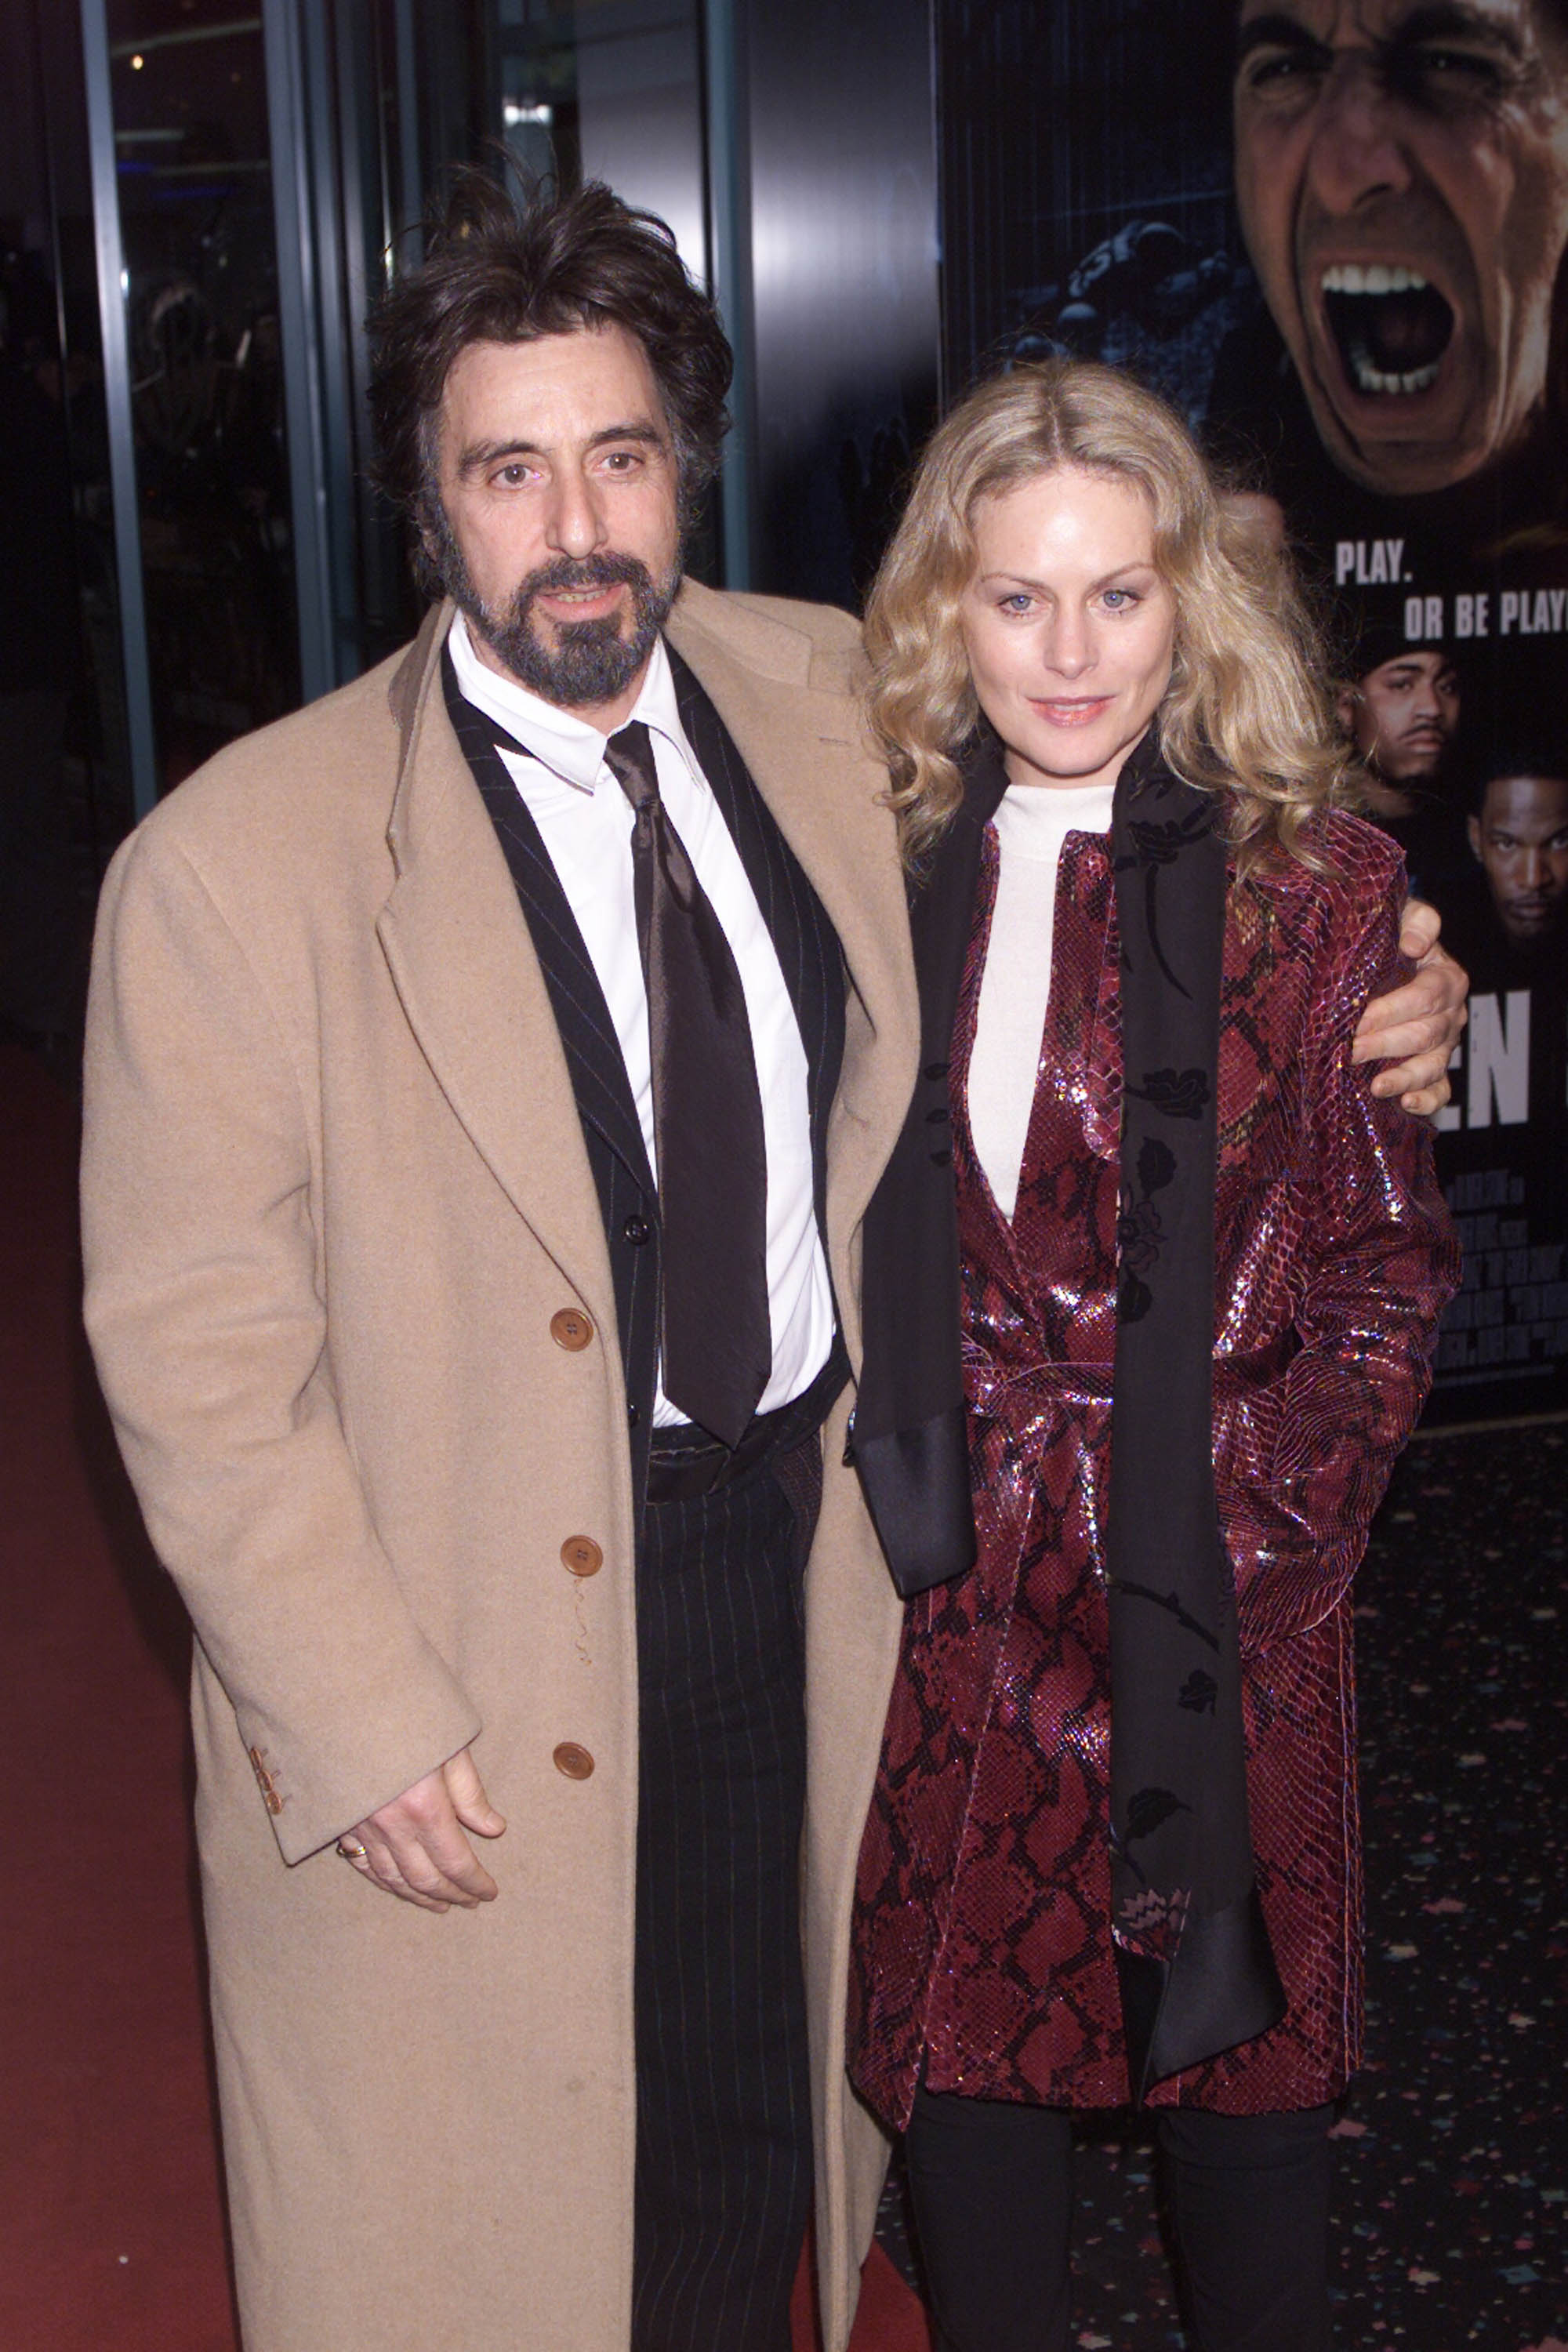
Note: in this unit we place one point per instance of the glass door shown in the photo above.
(611, 89)
(188, 116)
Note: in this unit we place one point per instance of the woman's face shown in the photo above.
(1067, 626)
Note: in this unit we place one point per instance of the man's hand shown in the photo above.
(415, 1847)
(1417, 1026)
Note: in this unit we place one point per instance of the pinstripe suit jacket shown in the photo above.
(337, 1205)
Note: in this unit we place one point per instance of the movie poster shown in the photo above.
(1333, 232)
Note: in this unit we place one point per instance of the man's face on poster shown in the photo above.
(1522, 839)
(1402, 174)
(1403, 717)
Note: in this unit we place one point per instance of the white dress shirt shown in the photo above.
(586, 821)
(1032, 823)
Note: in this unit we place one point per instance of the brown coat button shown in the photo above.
(581, 1555)
(575, 1761)
(571, 1328)
(266, 1783)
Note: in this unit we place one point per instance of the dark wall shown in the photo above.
(845, 281)
(1051, 118)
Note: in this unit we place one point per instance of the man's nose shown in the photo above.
(1533, 871)
(1356, 153)
(575, 523)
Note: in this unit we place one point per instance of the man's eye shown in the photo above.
(1438, 74)
(1277, 69)
(1469, 65)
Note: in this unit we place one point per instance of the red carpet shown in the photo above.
(113, 2236)
(109, 2176)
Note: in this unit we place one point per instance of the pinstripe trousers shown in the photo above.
(724, 2149)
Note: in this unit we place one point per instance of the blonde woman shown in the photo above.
(1199, 1264)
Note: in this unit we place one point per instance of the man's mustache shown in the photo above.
(606, 569)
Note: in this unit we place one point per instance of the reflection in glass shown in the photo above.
(64, 757)
(201, 290)
(610, 89)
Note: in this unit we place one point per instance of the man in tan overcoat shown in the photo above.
(391, 1310)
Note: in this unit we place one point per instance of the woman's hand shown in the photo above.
(1416, 1027)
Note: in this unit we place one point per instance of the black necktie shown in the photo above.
(708, 1122)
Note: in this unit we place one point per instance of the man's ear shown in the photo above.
(1473, 829)
(429, 545)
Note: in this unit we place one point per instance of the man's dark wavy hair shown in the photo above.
(507, 268)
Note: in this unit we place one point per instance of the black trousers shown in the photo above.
(1248, 2196)
(724, 2148)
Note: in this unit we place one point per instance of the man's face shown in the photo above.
(1521, 838)
(1404, 717)
(1402, 174)
(555, 523)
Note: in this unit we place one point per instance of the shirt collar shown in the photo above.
(568, 746)
(1038, 817)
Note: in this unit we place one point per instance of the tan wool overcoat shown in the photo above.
(336, 1199)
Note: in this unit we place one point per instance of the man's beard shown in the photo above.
(591, 662)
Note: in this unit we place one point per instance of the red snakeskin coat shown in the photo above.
(983, 1938)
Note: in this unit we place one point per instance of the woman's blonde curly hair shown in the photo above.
(1249, 710)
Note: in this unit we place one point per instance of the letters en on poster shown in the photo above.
(1334, 233)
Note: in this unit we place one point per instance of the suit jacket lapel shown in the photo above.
(587, 1033)
(814, 766)
(804, 939)
(472, 989)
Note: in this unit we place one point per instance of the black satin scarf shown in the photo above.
(1193, 1964)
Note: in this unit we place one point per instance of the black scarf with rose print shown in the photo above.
(1194, 1967)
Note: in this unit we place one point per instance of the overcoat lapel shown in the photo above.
(470, 984)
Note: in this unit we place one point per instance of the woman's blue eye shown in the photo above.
(1119, 599)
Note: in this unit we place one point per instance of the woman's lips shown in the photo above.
(1065, 712)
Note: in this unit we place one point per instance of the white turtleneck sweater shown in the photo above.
(1032, 824)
